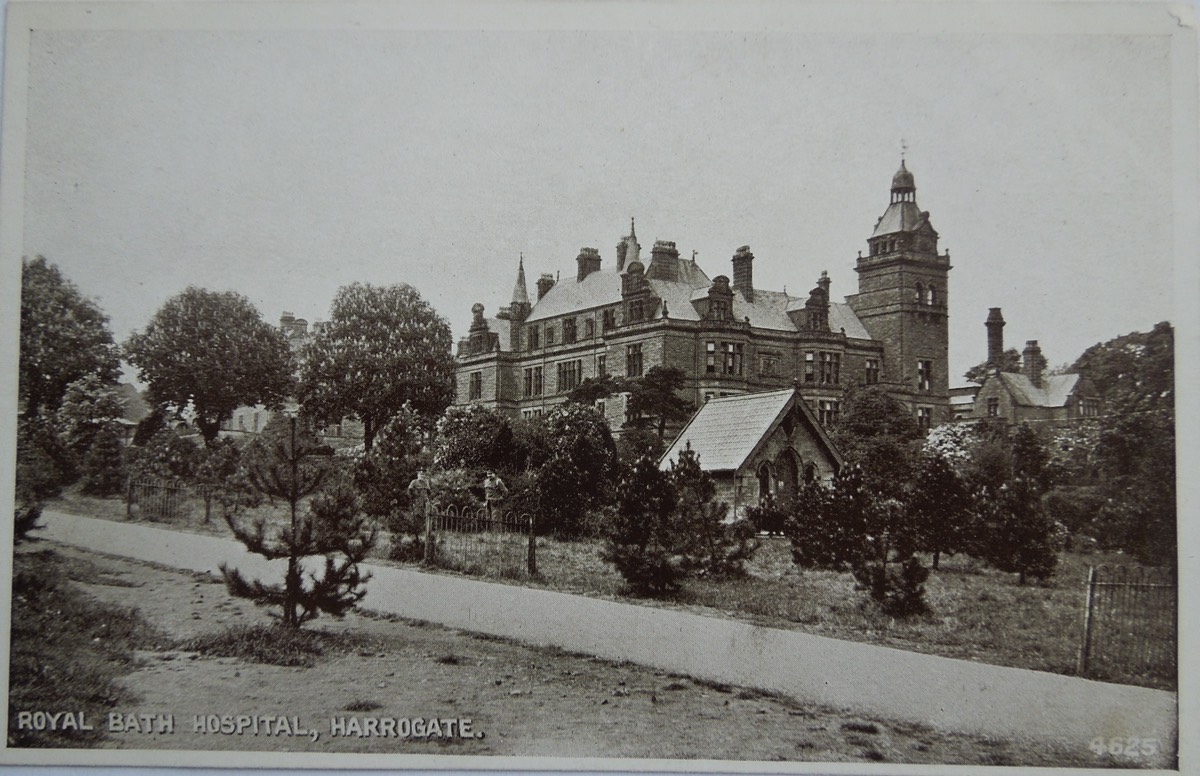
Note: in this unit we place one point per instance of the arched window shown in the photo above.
(764, 481)
(920, 294)
(933, 300)
(810, 473)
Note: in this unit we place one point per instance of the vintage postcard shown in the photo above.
(634, 386)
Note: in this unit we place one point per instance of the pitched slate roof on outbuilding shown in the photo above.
(725, 432)
(1055, 391)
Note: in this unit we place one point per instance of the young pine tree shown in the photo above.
(939, 506)
(103, 467)
(641, 534)
(284, 465)
(1017, 536)
(709, 545)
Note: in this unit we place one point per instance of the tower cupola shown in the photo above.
(904, 188)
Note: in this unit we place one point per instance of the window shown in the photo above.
(610, 319)
(872, 373)
(828, 410)
(924, 418)
(733, 357)
(710, 357)
(924, 375)
(589, 328)
(475, 390)
(534, 341)
(569, 375)
(536, 412)
(533, 381)
(920, 294)
(601, 406)
(933, 297)
(719, 310)
(241, 422)
(549, 335)
(768, 365)
(993, 407)
(633, 360)
(569, 331)
(831, 368)
(601, 366)
(810, 361)
(256, 422)
(636, 310)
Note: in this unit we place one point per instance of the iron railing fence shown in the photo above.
(166, 500)
(476, 541)
(1130, 626)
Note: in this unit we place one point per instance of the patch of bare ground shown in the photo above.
(524, 701)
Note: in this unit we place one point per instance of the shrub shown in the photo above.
(898, 588)
(709, 545)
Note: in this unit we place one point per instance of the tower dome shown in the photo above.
(903, 183)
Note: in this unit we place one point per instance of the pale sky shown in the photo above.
(284, 164)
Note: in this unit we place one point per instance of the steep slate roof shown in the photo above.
(768, 311)
(1054, 393)
(725, 432)
(900, 217)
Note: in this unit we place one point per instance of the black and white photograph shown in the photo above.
(640, 386)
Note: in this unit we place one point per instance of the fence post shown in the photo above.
(129, 499)
(531, 554)
(428, 534)
(1086, 646)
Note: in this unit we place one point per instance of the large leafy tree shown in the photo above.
(580, 470)
(64, 337)
(879, 434)
(383, 347)
(89, 405)
(211, 352)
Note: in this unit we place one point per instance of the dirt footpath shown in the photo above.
(381, 696)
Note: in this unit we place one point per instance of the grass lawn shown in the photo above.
(976, 613)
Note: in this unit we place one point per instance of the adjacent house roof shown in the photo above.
(725, 432)
(1055, 390)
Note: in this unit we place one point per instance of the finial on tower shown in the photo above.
(903, 151)
(632, 231)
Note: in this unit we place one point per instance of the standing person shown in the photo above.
(494, 491)
(418, 490)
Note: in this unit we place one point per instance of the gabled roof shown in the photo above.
(1055, 390)
(725, 432)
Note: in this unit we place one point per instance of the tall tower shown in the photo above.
(902, 300)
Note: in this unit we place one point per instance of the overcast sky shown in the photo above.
(284, 164)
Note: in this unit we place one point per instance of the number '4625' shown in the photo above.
(1129, 747)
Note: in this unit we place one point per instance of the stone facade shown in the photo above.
(728, 338)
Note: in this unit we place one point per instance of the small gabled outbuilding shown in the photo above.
(757, 444)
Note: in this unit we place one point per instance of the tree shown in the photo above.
(580, 469)
(382, 477)
(654, 399)
(641, 532)
(1017, 536)
(167, 455)
(477, 438)
(593, 389)
(829, 523)
(1030, 458)
(211, 352)
(64, 337)
(879, 434)
(707, 543)
(88, 406)
(940, 506)
(286, 465)
(382, 348)
(1010, 361)
(103, 465)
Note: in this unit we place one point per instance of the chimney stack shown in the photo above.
(1033, 363)
(544, 284)
(743, 272)
(664, 261)
(995, 337)
(588, 262)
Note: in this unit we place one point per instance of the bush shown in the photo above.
(898, 588)
(167, 456)
(44, 464)
(104, 466)
(768, 517)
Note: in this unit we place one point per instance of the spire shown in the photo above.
(632, 231)
(520, 292)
